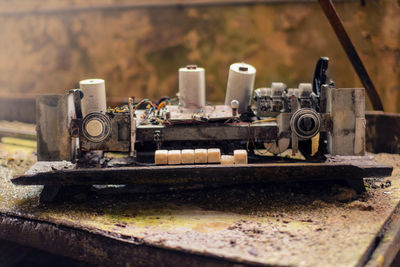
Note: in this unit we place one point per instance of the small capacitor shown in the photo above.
(235, 107)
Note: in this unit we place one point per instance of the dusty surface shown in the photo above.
(302, 224)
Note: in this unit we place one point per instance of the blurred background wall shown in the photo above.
(137, 46)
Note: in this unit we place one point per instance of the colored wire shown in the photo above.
(161, 105)
(144, 101)
(265, 120)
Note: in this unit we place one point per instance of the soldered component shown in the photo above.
(240, 85)
(277, 90)
(306, 96)
(192, 87)
(269, 102)
(93, 96)
(263, 101)
(235, 107)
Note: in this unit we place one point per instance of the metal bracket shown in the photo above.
(75, 127)
(294, 103)
(132, 151)
(157, 138)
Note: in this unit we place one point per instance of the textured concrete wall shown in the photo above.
(138, 51)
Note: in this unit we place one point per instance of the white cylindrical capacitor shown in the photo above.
(94, 96)
(240, 85)
(192, 87)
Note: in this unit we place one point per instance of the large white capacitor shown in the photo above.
(94, 96)
(240, 85)
(192, 87)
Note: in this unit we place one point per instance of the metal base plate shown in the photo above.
(340, 168)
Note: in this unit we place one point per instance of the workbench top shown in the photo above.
(305, 224)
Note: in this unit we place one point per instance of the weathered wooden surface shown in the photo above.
(389, 243)
(309, 224)
(138, 51)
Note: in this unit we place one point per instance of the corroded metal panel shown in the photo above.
(354, 169)
(347, 109)
(53, 116)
